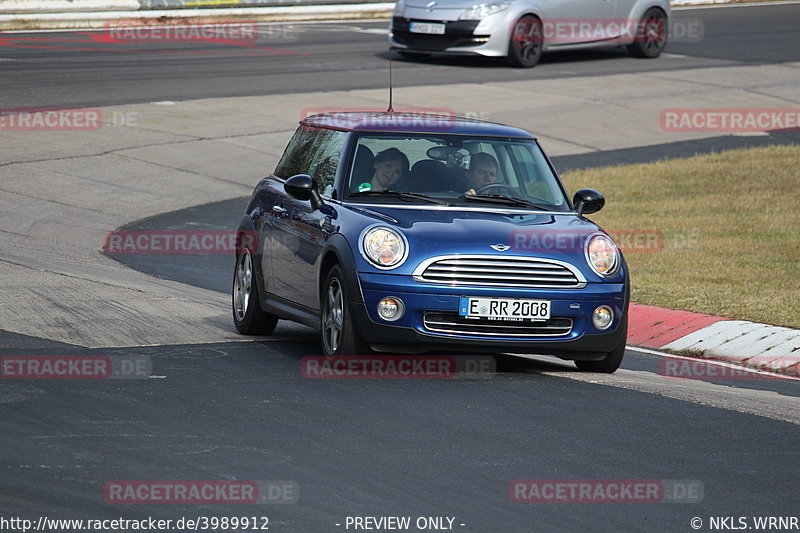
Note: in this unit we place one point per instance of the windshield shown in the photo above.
(453, 170)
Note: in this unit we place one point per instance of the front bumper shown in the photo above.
(458, 33)
(459, 38)
(411, 333)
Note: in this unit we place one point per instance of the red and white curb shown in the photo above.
(750, 344)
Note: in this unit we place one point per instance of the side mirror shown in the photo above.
(303, 187)
(588, 201)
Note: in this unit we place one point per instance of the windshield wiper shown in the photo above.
(399, 194)
(503, 199)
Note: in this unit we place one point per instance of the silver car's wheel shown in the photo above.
(247, 314)
(525, 44)
(651, 34)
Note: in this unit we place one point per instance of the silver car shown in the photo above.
(520, 30)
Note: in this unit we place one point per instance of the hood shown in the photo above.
(432, 232)
(442, 4)
(441, 10)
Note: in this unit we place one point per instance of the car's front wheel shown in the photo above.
(611, 361)
(248, 317)
(525, 44)
(651, 34)
(339, 335)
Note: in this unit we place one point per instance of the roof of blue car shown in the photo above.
(411, 122)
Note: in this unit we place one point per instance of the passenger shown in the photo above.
(390, 165)
(482, 171)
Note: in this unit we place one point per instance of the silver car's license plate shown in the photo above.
(504, 308)
(431, 28)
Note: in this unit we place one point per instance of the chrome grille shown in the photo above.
(499, 271)
(441, 322)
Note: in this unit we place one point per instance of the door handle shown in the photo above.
(278, 209)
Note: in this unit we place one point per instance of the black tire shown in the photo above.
(651, 34)
(339, 336)
(248, 317)
(612, 360)
(525, 43)
(414, 56)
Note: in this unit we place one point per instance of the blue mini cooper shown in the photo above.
(407, 233)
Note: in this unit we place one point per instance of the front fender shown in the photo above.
(339, 250)
(501, 31)
(246, 235)
(641, 6)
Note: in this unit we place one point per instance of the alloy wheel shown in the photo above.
(333, 322)
(242, 285)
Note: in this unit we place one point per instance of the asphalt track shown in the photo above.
(86, 69)
(382, 447)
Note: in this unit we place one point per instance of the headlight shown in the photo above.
(602, 255)
(384, 247)
(399, 8)
(481, 11)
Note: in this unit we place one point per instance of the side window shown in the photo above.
(295, 157)
(324, 159)
(315, 152)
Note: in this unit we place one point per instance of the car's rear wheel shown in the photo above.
(525, 44)
(651, 34)
(248, 317)
(339, 336)
(612, 360)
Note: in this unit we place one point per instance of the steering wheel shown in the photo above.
(499, 188)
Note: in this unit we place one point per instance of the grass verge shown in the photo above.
(716, 233)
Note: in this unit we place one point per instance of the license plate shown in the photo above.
(504, 308)
(427, 27)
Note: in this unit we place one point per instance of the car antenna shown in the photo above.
(390, 109)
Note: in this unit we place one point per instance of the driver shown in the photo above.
(482, 171)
